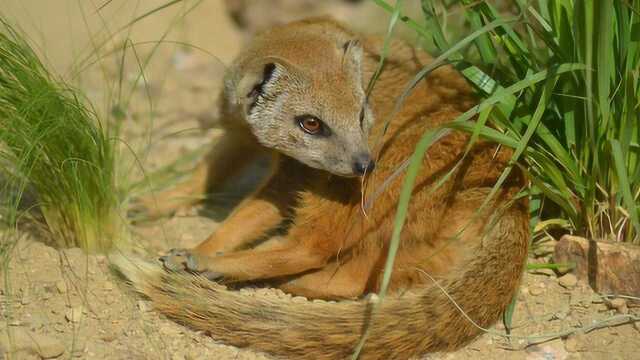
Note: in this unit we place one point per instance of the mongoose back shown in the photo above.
(297, 94)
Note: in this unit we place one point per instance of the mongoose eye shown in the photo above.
(311, 125)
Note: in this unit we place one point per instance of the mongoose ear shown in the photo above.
(257, 77)
(253, 83)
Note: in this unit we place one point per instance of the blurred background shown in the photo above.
(66, 30)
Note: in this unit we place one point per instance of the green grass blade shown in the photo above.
(624, 185)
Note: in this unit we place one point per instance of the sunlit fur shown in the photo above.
(330, 249)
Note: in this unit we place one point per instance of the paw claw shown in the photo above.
(184, 260)
(211, 275)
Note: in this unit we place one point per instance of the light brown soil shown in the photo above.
(64, 303)
(73, 303)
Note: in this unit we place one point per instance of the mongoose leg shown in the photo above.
(251, 220)
(247, 265)
(337, 280)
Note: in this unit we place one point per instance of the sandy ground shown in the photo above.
(66, 304)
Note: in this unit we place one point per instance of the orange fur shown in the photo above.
(331, 250)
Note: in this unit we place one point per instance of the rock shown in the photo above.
(580, 300)
(561, 315)
(25, 299)
(618, 304)
(61, 286)
(551, 350)
(575, 343)
(544, 249)
(109, 336)
(47, 347)
(108, 285)
(536, 290)
(79, 352)
(372, 298)
(74, 314)
(609, 267)
(547, 272)
(568, 281)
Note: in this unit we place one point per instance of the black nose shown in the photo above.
(362, 164)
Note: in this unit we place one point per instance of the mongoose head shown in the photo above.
(300, 90)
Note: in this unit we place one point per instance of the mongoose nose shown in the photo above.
(363, 164)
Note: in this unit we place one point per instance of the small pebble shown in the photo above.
(547, 272)
(536, 290)
(575, 343)
(561, 315)
(44, 346)
(74, 314)
(61, 286)
(618, 304)
(568, 281)
(109, 336)
(25, 300)
(562, 270)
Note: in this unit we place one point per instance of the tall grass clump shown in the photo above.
(53, 143)
(559, 82)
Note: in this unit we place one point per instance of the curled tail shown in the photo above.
(415, 323)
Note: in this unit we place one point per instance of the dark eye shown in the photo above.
(311, 125)
(361, 116)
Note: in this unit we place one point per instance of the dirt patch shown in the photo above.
(68, 304)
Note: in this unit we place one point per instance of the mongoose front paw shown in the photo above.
(185, 260)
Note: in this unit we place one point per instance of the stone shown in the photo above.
(536, 290)
(143, 306)
(551, 350)
(299, 299)
(575, 343)
(547, 272)
(609, 267)
(61, 286)
(44, 346)
(544, 249)
(568, 281)
(618, 304)
(74, 314)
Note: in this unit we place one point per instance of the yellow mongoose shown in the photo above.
(297, 93)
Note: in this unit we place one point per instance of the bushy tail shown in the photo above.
(434, 318)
